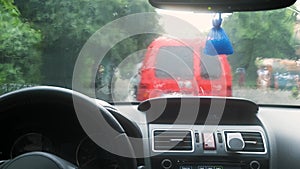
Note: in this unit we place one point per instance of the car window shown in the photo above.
(101, 49)
(175, 62)
(210, 67)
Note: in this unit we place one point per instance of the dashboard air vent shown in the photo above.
(252, 141)
(172, 140)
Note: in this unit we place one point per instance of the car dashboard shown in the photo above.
(165, 133)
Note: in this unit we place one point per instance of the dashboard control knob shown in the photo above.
(235, 141)
(141, 167)
(254, 165)
(166, 163)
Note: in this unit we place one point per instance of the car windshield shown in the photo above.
(128, 51)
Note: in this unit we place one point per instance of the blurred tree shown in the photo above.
(67, 25)
(260, 34)
(19, 48)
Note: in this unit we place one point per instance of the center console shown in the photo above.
(205, 133)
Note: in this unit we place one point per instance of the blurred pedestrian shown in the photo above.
(241, 76)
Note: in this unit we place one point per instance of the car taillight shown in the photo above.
(142, 93)
(142, 86)
(229, 91)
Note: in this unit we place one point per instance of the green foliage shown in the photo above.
(19, 47)
(267, 34)
(295, 92)
(67, 25)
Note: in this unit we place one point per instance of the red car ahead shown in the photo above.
(191, 73)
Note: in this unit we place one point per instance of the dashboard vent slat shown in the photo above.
(253, 142)
(172, 140)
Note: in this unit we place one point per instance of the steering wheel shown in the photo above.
(94, 119)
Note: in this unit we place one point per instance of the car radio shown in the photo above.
(211, 133)
(208, 147)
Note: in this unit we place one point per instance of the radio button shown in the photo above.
(254, 165)
(220, 139)
(166, 164)
(186, 167)
(197, 137)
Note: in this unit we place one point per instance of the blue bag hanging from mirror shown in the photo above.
(217, 41)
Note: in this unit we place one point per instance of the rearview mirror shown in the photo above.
(221, 5)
